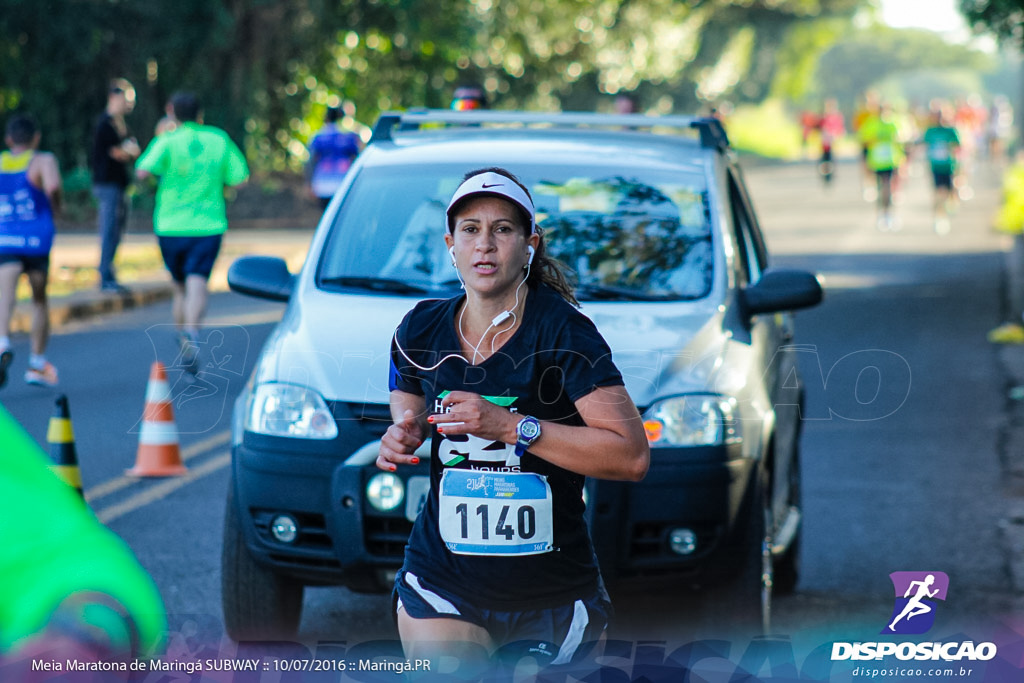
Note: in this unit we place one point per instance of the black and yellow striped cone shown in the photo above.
(61, 438)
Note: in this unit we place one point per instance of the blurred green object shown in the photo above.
(767, 130)
(78, 205)
(66, 576)
(77, 179)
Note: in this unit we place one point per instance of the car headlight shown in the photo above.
(692, 420)
(289, 410)
(385, 491)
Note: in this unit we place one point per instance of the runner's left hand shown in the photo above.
(470, 413)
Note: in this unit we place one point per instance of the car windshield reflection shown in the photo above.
(640, 236)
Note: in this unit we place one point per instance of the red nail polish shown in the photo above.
(430, 419)
(394, 468)
(440, 430)
(415, 461)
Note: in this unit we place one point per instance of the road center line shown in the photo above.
(163, 489)
(116, 484)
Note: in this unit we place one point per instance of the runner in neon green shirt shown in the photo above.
(1010, 220)
(885, 153)
(194, 163)
(68, 581)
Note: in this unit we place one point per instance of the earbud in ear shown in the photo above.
(451, 252)
(531, 251)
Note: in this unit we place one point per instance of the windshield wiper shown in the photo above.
(595, 292)
(376, 284)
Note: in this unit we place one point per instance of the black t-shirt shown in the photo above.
(555, 357)
(106, 169)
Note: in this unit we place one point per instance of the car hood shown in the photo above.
(339, 346)
(662, 349)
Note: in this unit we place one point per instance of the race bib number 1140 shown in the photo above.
(491, 513)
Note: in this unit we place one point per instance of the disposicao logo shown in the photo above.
(913, 611)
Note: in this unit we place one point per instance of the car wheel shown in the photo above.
(742, 602)
(258, 603)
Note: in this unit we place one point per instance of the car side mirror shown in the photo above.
(265, 277)
(782, 290)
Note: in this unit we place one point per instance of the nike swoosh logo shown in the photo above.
(485, 185)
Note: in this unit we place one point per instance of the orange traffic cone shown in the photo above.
(159, 455)
(61, 438)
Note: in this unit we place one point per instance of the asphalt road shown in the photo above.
(901, 453)
(910, 478)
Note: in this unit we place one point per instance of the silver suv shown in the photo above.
(653, 217)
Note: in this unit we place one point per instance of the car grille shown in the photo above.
(375, 418)
(386, 536)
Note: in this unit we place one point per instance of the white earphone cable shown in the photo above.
(498, 319)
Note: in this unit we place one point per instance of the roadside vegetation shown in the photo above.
(267, 71)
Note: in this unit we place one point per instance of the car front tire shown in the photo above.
(741, 602)
(258, 604)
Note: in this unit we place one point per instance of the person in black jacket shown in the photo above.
(113, 151)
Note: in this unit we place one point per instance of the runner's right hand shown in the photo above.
(400, 442)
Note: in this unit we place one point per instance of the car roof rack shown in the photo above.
(712, 134)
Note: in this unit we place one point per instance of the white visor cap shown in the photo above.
(496, 185)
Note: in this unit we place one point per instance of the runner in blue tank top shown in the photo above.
(30, 193)
(331, 153)
(518, 393)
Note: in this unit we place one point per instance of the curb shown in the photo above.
(1011, 454)
(81, 251)
(86, 304)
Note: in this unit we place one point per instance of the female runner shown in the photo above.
(518, 392)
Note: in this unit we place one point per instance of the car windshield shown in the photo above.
(630, 234)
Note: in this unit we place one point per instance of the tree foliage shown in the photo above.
(265, 69)
(1005, 18)
(865, 58)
